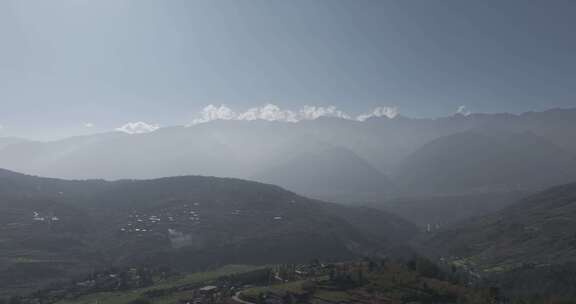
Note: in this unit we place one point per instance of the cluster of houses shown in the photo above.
(222, 290)
(44, 217)
(117, 280)
(141, 223)
(312, 276)
(209, 294)
(36, 218)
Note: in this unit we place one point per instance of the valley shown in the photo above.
(491, 231)
(287, 152)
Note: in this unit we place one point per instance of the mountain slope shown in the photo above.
(436, 211)
(8, 141)
(63, 228)
(522, 246)
(328, 171)
(539, 229)
(473, 161)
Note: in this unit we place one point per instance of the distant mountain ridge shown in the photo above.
(393, 147)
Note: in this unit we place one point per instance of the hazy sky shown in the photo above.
(69, 64)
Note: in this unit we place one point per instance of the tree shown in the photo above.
(425, 267)
(123, 281)
(14, 300)
(145, 277)
(140, 301)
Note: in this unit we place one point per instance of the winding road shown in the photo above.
(236, 298)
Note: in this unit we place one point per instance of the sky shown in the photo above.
(70, 67)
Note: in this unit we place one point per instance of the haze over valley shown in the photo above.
(287, 152)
